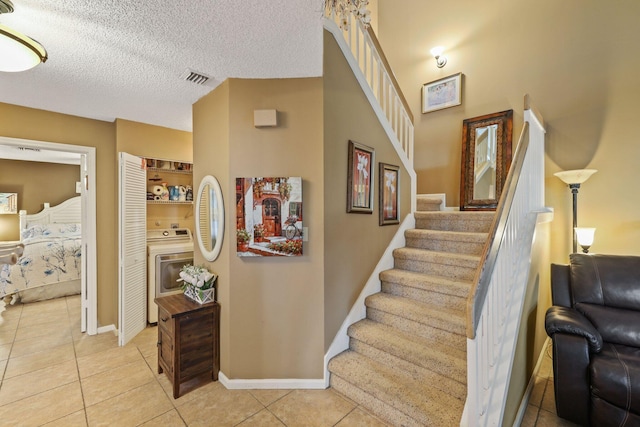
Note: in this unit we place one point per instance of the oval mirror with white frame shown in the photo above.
(209, 213)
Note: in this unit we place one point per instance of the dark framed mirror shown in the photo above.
(486, 157)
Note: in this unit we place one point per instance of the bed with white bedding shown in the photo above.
(50, 265)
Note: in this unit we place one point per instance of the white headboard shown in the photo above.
(67, 212)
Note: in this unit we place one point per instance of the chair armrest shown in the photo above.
(560, 285)
(569, 321)
(574, 338)
(571, 359)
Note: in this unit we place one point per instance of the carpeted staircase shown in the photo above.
(406, 360)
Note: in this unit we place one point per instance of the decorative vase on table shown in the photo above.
(198, 283)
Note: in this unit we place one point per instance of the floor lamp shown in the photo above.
(573, 179)
(585, 237)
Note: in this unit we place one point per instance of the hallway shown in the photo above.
(53, 375)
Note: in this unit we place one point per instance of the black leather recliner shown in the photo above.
(595, 327)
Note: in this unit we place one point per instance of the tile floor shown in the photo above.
(541, 411)
(54, 375)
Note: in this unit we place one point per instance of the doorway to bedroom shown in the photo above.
(85, 159)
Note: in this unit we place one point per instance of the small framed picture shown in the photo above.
(269, 216)
(8, 203)
(443, 93)
(360, 178)
(389, 208)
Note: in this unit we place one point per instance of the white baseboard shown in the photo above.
(532, 381)
(294, 383)
(108, 328)
(358, 310)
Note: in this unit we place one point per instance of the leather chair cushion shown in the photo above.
(615, 377)
(611, 280)
(615, 325)
(604, 414)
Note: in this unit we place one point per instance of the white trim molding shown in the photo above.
(108, 328)
(255, 384)
(358, 310)
(89, 293)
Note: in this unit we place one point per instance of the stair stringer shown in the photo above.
(358, 310)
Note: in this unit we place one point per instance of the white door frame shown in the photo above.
(89, 288)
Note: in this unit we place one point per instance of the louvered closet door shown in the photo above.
(133, 248)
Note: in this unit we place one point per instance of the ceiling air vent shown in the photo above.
(194, 77)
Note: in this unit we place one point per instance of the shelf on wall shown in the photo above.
(168, 202)
(158, 170)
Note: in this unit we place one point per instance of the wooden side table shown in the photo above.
(188, 340)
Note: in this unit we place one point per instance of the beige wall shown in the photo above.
(272, 307)
(108, 139)
(159, 142)
(279, 315)
(211, 145)
(575, 58)
(279, 299)
(354, 242)
(373, 8)
(532, 335)
(35, 183)
(39, 125)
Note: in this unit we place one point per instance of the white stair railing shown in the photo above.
(375, 68)
(495, 304)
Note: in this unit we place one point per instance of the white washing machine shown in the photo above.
(168, 251)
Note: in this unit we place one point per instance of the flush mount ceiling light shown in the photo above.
(17, 51)
(6, 6)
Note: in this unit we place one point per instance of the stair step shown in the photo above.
(428, 203)
(423, 314)
(446, 241)
(441, 365)
(440, 382)
(475, 222)
(426, 282)
(453, 266)
(406, 361)
(381, 409)
(425, 288)
(391, 394)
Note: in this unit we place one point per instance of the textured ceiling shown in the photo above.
(123, 59)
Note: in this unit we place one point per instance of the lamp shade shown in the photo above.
(437, 51)
(585, 235)
(19, 52)
(577, 176)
